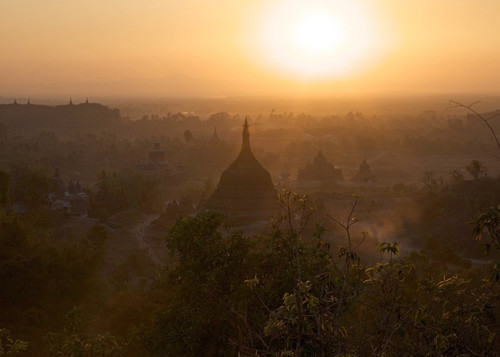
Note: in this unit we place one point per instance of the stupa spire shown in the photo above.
(246, 153)
(215, 136)
(246, 135)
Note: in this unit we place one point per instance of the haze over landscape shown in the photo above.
(249, 178)
(225, 48)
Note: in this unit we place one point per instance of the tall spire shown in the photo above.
(246, 136)
(70, 101)
(215, 136)
(87, 101)
(246, 153)
(15, 100)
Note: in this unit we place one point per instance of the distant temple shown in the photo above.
(245, 191)
(157, 164)
(320, 170)
(365, 174)
(215, 137)
(71, 199)
(172, 210)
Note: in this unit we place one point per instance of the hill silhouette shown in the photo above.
(86, 117)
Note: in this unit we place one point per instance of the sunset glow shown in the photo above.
(249, 178)
(257, 47)
(318, 40)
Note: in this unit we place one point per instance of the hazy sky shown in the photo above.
(254, 47)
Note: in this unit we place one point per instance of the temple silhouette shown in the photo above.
(321, 171)
(156, 163)
(365, 174)
(245, 192)
(71, 199)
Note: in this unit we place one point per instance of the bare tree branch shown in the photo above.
(456, 104)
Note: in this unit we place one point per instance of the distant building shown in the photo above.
(171, 212)
(78, 200)
(320, 171)
(157, 164)
(71, 199)
(365, 174)
(245, 191)
(215, 137)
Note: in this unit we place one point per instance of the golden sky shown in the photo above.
(248, 47)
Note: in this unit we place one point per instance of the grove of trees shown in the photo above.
(294, 289)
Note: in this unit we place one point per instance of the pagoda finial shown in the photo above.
(246, 135)
(246, 151)
(15, 101)
(70, 101)
(87, 101)
(215, 136)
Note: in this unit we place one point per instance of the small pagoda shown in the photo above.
(245, 191)
(320, 170)
(72, 199)
(365, 174)
(156, 162)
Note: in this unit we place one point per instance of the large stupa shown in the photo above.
(245, 191)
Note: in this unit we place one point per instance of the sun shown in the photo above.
(315, 34)
(316, 39)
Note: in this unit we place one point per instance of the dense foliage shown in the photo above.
(224, 293)
(292, 290)
(287, 295)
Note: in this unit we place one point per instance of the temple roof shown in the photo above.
(365, 174)
(320, 170)
(320, 159)
(245, 188)
(246, 171)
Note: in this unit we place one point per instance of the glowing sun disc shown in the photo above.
(316, 39)
(316, 33)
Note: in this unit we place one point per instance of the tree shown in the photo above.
(202, 289)
(72, 341)
(476, 169)
(188, 136)
(4, 187)
(9, 346)
(29, 187)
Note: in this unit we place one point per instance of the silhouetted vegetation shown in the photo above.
(408, 266)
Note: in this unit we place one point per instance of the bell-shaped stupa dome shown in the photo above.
(245, 190)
